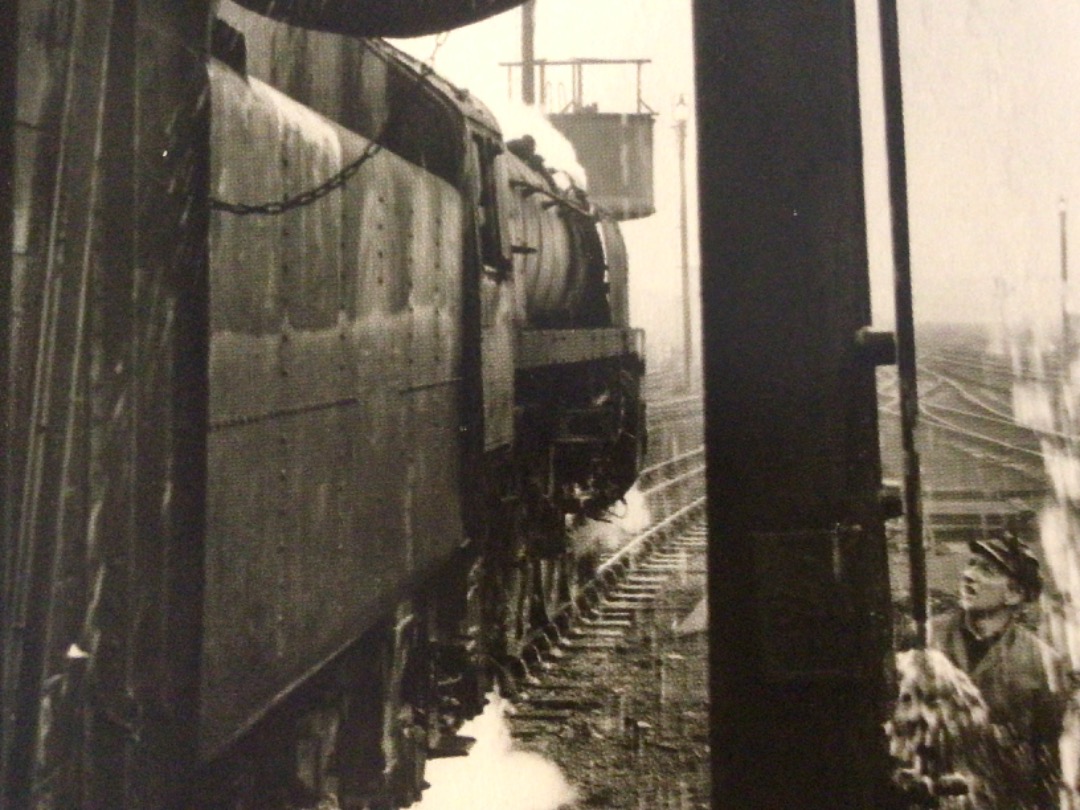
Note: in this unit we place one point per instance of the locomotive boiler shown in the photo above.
(419, 372)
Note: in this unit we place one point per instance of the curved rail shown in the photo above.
(973, 413)
(646, 540)
(684, 483)
(654, 479)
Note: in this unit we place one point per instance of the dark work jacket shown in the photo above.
(1021, 678)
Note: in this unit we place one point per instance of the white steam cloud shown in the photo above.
(494, 775)
(517, 119)
(636, 517)
(622, 522)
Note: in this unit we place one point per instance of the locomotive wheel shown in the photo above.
(317, 740)
(520, 604)
(535, 591)
(381, 746)
(555, 585)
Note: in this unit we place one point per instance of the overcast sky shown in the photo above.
(992, 125)
(992, 116)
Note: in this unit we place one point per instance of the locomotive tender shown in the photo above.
(419, 374)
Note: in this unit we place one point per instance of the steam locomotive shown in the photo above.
(419, 372)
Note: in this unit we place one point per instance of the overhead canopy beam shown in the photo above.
(379, 18)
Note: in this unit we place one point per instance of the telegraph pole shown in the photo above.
(798, 564)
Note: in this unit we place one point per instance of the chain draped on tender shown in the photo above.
(337, 180)
(305, 197)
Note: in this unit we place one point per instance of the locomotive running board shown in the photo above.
(553, 347)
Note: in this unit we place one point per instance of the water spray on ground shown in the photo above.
(495, 775)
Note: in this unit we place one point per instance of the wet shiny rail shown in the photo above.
(675, 493)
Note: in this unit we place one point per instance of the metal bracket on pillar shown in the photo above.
(891, 500)
(876, 347)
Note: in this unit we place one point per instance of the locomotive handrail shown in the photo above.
(556, 199)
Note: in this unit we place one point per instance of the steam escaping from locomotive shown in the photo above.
(517, 120)
(635, 515)
(607, 535)
(494, 775)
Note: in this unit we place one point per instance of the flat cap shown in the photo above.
(1015, 558)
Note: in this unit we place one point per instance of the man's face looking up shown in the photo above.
(985, 587)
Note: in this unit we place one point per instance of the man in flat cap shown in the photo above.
(1020, 676)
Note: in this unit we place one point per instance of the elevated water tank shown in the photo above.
(616, 152)
(614, 148)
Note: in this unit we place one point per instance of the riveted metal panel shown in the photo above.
(335, 390)
(498, 350)
(367, 86)
(551, 347)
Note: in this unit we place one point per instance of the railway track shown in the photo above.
(983, 430)
(606, 687)
(971, 440)
(676, 409)
(624, 599)
(674, 493)
(619, 700)
(676, 424)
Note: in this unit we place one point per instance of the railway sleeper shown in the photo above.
(639, 587)
(640, 578)
(606, 623)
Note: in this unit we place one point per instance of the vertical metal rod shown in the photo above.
(528, 48)
(638, 108)
(22, 666)
(905, 325)
(77, 405)
(9, 41)
(1063, 215)
(1066, 337)
(688, 349)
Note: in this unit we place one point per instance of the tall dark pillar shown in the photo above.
(799, 596)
